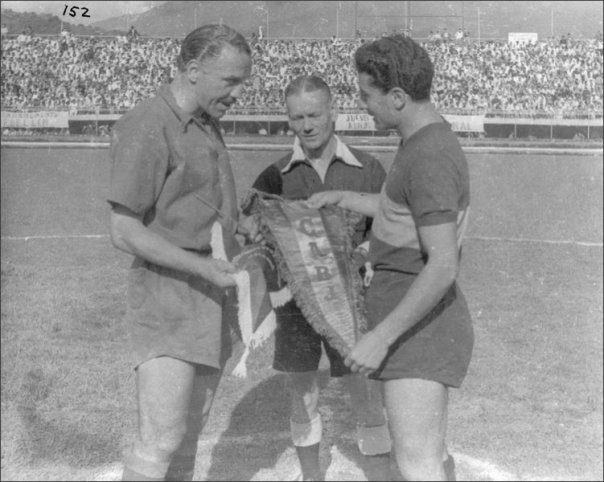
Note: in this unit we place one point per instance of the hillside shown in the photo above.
(301, 19)
(321, 19)
(47, 24)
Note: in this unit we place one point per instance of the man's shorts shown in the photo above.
(171, 313)
(438, 347)
(298, 345)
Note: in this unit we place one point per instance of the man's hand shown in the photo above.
(320, 199)
(360, 256)
(218, 272)
(368, 354)
(249, 227)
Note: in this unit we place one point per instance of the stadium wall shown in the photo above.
(347, 123)
(493, 128)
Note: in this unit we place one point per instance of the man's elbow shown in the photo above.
(448, 270)
(117, 240)
(119, 234)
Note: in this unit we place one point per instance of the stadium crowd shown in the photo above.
(116, 73)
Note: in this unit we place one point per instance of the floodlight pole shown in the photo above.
(338, 20)
(478, 8)
(267, 31)
(463, 16)
(552, 21)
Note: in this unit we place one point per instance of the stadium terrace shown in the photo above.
(71, 72)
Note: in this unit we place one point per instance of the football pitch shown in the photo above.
(530, 407)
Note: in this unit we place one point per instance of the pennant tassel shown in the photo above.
(217, 242)
(264, 331)
(257, 320)
(240, 370)
(279, 298)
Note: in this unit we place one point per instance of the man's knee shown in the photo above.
(169, 442)
(163, 441)
(415, 464)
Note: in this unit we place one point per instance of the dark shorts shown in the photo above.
(298, 346)
(170, 313)
(437, 348)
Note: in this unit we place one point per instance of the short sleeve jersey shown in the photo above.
(293, 177)
(172, 168)
(428, 184)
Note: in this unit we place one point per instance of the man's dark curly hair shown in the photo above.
(397, 61)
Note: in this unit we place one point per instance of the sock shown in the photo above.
(306, 438)
(449, 466)
(129, 474)
(309, 461)
(377, 467)
(373, 440)
(182, 465)
(139, 468)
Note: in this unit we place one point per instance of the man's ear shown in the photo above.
(399, 98)
(193, 70)
(334, 111)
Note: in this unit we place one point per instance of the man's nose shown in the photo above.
(237, 91)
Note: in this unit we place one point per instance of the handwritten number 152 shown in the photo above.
(73, 11)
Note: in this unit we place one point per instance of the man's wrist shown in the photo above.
(382, 336)
(345, 199)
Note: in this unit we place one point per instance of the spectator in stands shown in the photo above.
(437, 37)
(544, 76)
(459, 35)
(4, 30)
(132, 33)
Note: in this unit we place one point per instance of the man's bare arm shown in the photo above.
(129, 234)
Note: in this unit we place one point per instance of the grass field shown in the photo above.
(531, 406)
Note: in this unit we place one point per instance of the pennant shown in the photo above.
(255, 297)
(259, 290)
(314, 253)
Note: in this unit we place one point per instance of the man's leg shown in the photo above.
(305, 422)
(164, 387)
(206, 381)
(417, 414)
(368, 410)
(373, 436)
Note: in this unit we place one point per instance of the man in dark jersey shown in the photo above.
(321, 161)
(420, 336)
(173, 206)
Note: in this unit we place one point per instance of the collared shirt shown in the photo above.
(342, 153)
(293, 177)
(173, 169)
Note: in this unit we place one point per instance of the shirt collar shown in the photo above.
(342, 153)
(184, 118)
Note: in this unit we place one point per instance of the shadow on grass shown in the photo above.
(261, 418)
(262, 415)
(77, 439)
